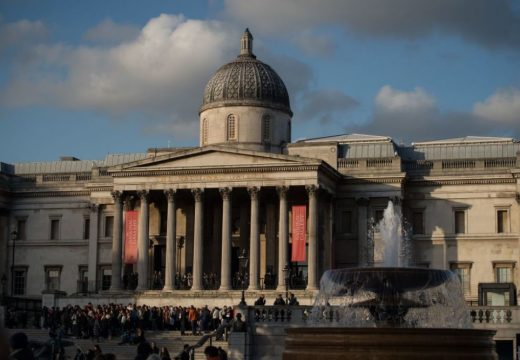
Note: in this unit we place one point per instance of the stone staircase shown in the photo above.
(172, 340)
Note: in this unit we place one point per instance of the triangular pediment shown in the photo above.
(213, 157)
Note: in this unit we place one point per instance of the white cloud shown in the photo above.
(389, 99)
(160, 74)
(492, 23)
(502, 107)
(414, 116)
(108, 31)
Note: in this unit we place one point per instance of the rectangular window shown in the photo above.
(231, 127)
(83, 279)
(106, 278)
(21, 229)
(20, 280)
(460, 221)
(502, 221)
(418, 222)
(109, 226)
(52, 277)
(55, 229)
(504, 271)
(463, 271)
(266, 131)
(204, 131)
(86, 229)
(346, 222)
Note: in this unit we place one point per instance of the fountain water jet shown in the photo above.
(389, 312)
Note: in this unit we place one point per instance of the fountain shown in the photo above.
(385, 312)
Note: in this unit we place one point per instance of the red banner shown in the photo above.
(131, 237)
(299, 231)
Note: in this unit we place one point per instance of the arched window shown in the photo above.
(204, 131)
(266, 129)
(231, 127)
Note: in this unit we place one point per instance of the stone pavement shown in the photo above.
(172, 340)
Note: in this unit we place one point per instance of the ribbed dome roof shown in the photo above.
(246, 81)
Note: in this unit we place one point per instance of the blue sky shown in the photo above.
(90, 78)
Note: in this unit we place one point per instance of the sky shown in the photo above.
(91, 78)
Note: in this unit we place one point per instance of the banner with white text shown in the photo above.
(131, 237)
(299, 230)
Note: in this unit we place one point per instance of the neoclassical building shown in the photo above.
(227, 214)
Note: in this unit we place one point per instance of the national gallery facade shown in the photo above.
(249, 209)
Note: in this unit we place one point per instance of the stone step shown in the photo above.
(172, 340)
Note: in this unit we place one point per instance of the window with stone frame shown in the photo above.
(20, 280)
(460, 221)
(105, 276)
(345, 223)
(52, 277)
(266, 129)
(82, 279)
(463, 271)
(502, 216)
(204, 131)
(504, 271)
(21, 228)
(86, 228)
(418, 222)
(231, 127)
(54, 227)
(109, 226)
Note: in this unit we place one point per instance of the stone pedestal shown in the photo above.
(388, 344)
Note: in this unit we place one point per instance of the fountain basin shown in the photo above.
(334, 343)
(383, 279)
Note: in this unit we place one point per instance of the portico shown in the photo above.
(218, 211)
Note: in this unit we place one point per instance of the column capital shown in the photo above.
(117, 196)
(225, 192)
(253, 192)
(93, 207)
(312, 190)
(198, 193)
(143, 194)
(170, 194)
(282, 191)
(362, 201)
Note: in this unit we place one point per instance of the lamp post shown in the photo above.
(286, 270)
(14, 237)
(243, 260)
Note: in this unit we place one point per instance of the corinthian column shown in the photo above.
(225, 264)
(254, 242)
(197, 239)
(313, 235)
(171, 233)
(143, 241)
(93, 247)
(282, 236)
(117, 246)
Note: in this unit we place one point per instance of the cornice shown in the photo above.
(40, 194)
(481, 181)
(366, 181)
(211, 171)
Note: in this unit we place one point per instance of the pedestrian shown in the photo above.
(20, 347)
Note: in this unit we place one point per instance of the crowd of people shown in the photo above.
(107, 321)
(130, 322)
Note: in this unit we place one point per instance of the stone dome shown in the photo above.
(246, 81)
